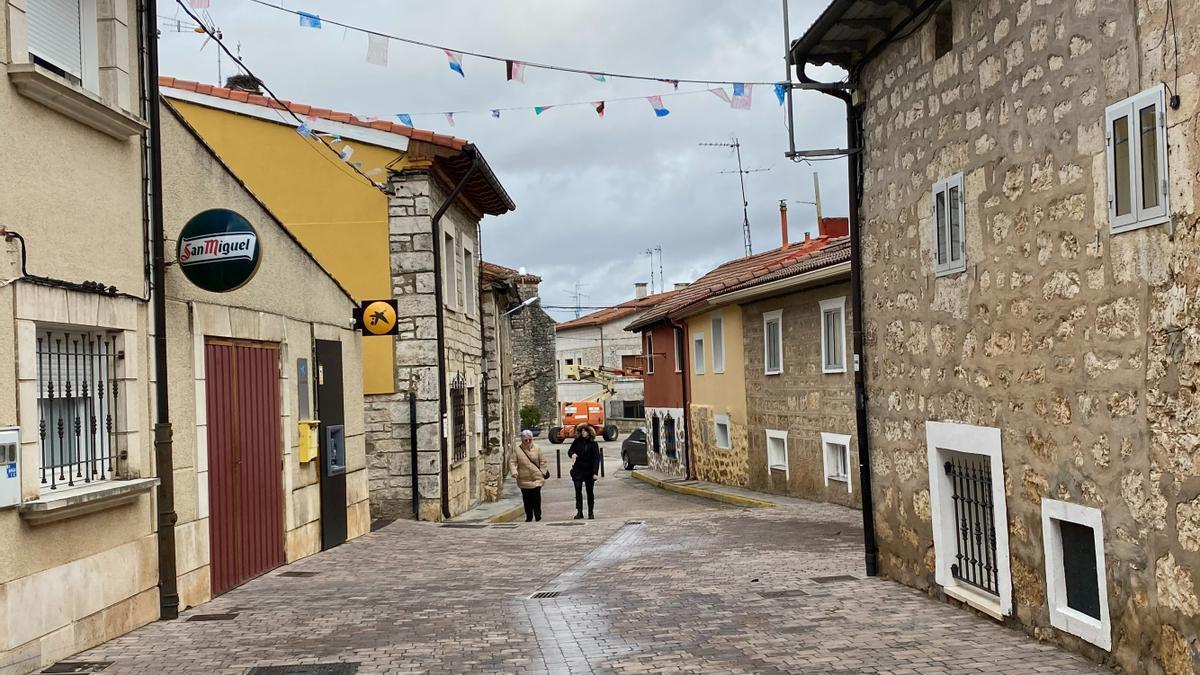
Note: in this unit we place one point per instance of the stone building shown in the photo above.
(1028, 229)
(533, 352)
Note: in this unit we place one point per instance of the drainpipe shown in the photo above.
(441, 323)
(164, 461)
(854, 143)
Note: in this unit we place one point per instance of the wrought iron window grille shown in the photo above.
(976, 563)
(458, 417)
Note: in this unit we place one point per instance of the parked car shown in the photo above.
(633, 450)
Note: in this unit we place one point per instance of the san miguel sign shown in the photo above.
(218, 250)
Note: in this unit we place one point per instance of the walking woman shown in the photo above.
(529, 468)
(586, 469)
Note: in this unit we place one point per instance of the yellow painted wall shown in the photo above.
(337, 215)
(724, 392)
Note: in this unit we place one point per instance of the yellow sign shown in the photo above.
(377, 317)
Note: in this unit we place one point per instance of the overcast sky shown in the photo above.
(592, 194)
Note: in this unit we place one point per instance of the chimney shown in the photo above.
(639, 290)
(681, 284)
(783, 233)
(833, 227)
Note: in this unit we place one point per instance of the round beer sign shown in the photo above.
(218, 250)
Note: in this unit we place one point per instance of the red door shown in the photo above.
(245, 461)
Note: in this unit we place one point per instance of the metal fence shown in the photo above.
(77, 397)
(975, 562)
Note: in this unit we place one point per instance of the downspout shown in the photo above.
(854, 183)
(163, 448)
(439, 315)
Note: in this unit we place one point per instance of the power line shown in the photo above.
(491, 57)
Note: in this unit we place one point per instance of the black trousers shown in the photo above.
(532, 497)
(591, 495)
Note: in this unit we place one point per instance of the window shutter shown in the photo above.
(56, 35)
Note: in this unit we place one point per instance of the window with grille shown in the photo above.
(773, 342)
(669, 435)
(78, 400)
(1136, 136)
(949, 224)
(833, 335)
(975, 561)
(656, 432)
(458, 419)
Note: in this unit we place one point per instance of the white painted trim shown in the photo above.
(783, 285)
(718, 420)
(975, 440)
(1138, 217)
(768, 317)
(838, 304)
(837, 441)
(385, 139)
(697, 353)
(786, 466)
(1062, 617)
(945, 185)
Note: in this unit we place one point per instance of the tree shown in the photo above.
(530, 416)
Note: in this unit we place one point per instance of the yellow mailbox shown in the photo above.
(308, 440)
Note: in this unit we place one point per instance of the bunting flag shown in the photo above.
(405, 119)
(598, 77)
(659, 109)
(599, 105)
(539, 109)
(495, 113)
(309, 20)
(515, 70)
(781, 92)
(305, 129)
(377, 49)
(455, 62)
(199, 4)
(449, 118)
(741, 96)
(673, 83)
(720, 93)
(346, 153)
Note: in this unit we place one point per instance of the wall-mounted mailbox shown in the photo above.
(309, 445)
(335, 450)
(10, 475)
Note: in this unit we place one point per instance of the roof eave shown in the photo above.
(857, 27)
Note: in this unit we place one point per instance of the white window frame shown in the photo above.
(649, 353)
(469, 281)
(1063, 617)
(449, 269)
(831, 446)
(944, 186)
(718, 343)
(1138, 217)
(89, 51)
(774, 466)
(718, 422)
(776, 317)
(697, 353)
(677, 338)
(949, 437)
(833, 305)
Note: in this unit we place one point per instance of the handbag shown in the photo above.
(545, 474)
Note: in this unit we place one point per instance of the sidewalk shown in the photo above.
(714, 491)
(507, 508)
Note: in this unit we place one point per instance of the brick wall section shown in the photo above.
(534, 373)
(802, 400)
(1079, 345)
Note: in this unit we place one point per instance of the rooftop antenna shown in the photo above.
(662, 281)
(816, 200)
(741, 172)
(650, 254)
(578, 295)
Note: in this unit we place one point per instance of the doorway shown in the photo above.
(332, 437)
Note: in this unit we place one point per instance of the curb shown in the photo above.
(697, 491)
(507, 516)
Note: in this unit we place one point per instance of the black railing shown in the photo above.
(975, 524)
(458, 417)
(77, 396)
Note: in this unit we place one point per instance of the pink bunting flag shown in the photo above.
(721, 94)
(741, 96)
(659, 109)
(199, 4)
(455, 62)
(516, 70)
(450, 118)
(599, 105)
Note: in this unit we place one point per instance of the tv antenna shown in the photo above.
(736, 146)
(578, 295)
(661, 280)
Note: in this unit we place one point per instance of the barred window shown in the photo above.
(458, 419)
(78, 396)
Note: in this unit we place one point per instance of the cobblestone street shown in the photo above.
(683, 586)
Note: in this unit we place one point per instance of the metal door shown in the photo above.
(245, 461)
(331, 412)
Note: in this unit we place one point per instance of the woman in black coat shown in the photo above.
(586, 469)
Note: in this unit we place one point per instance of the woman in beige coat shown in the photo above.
(529, 468)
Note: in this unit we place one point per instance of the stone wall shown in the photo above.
(728, 466)
(803, 400)
(533, 345)
(499, 411)
(1078, 344)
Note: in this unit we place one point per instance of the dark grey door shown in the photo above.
(332, 413)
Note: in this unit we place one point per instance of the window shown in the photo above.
(777, 450)
(458, 419)
(470, 291)
(1077, 591)
(650, 353)
(449, 290)
(833, 335)
(949, 202)
(721, 429)
(1136, 131)
(634, 410)
(678, 350)
(656, 432)
(718, 344)
(966, 490)
(943, 29)
(773, 342)
(62, 39)
(836, 458)
(460, 282)
(77, 402)
(669, 440)
(698, 353)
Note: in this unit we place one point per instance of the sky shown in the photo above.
(592, 193)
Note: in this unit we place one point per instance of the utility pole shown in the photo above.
(741, 172)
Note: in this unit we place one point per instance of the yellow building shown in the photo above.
(717, 382)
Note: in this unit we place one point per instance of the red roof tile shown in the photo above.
(305, 110)
(621, 311)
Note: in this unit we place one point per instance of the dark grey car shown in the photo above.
(633, 450)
